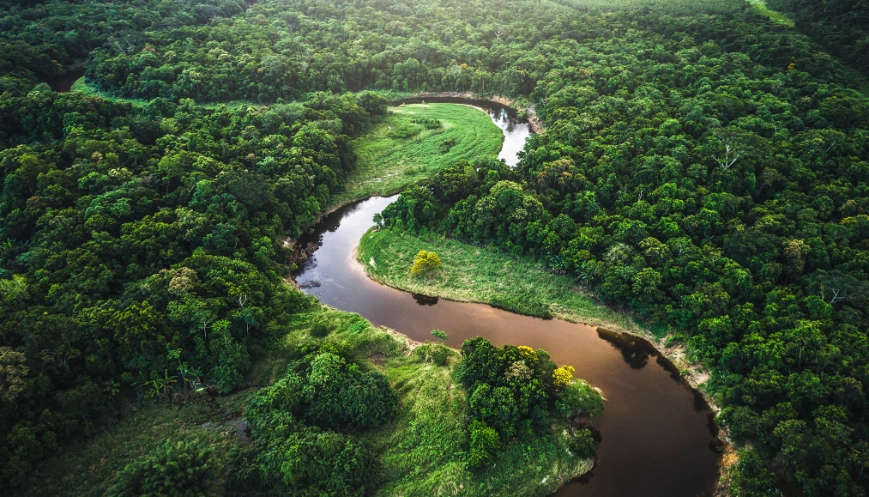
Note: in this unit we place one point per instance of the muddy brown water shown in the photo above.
(657, 434)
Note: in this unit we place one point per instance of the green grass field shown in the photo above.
(478, 274)
(422, 450)
(776, 17)
(398, 152)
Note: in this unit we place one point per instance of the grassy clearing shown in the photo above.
(478, 274)
(398, 152)
(776, 17)
(422, 450)
(677, 7)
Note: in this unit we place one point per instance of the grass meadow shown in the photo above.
(479, 274)
(398, 152)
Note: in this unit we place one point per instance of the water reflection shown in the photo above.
(424, 299)
(635, 351)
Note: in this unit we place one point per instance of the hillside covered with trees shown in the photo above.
(702, 167)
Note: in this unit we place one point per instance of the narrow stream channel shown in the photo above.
(657, 435)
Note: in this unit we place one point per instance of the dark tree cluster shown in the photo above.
(841, 26)
(302, 429)
(512, 391)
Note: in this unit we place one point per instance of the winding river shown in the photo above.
(657, 435)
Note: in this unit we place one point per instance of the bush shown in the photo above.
(338, 394)
(583, 444)
(326, 463)
(440, 357)
(484, 443)
(578, 398)
(182, 469)
(425, 262)
(319, 330)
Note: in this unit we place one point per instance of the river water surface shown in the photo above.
(657, 437)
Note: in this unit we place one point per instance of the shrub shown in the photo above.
(562, 376)
(578, 398)
(319, 330)
(337, 394)
(484, 443)
(440, 357)
(583, 444)
(182, 469)
(425, 262)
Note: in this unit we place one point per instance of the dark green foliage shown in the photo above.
(578, 398)
(511, 395)
(319, 330)
(752, 478)
(531, 308)
(427, 122)
(484, 445)
(583, 443)
(175, 469)
(505, 387)
(338, 394)
(440, 357)
(160, 260)
(841, 26)
(292, 452)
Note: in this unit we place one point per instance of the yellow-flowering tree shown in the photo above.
(425, 262)
(562, 376)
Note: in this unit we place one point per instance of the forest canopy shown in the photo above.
(701, 167)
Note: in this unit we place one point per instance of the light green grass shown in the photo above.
(421, 450)
(676, 7)
(478, 274)
(776, 17)
(389, 162)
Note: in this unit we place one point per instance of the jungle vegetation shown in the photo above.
(701, 166)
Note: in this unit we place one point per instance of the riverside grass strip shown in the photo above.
(478, 274)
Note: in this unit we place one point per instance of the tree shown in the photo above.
(425, 262)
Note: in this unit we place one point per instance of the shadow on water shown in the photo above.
(424, 299)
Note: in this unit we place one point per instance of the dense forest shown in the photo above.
(701, 167)
(840, 26)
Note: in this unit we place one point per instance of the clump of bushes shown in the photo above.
(296, 448)
(319, 330)
(176, 469)
(428, 122)
(447, 144)
(515, 392)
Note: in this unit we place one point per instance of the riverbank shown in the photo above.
(478, 274)
(421, 450)
(525, 112)
(416, 141)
